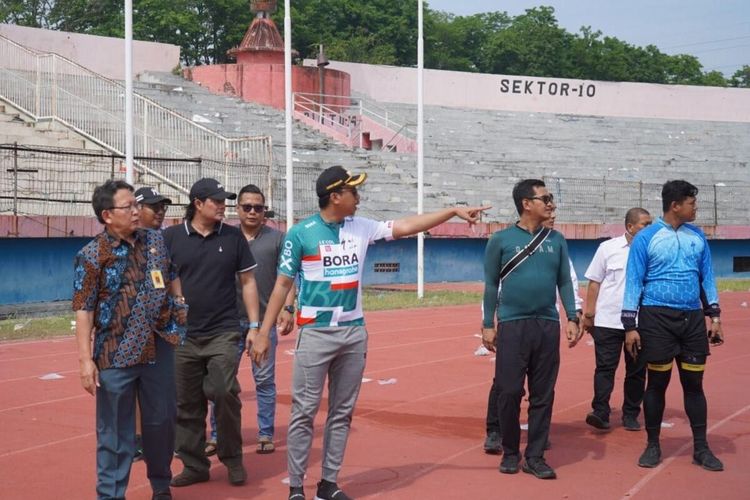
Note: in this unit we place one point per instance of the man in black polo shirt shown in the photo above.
(208, 255)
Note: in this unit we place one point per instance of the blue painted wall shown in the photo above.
(463, 259)
(41, 269)
(37, 269)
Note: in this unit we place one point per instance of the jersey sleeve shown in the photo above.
(378, 230)
(290, 259)
(708, 283)
(635, 274)
(492, 261)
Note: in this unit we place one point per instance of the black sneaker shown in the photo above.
(630, 423)
(707, 460)
(493, 444)
(538, 467)
(296, 493)
(330, 491)
(651, 456)
(509, 464)
(597, 422)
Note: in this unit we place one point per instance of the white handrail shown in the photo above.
(49, 86)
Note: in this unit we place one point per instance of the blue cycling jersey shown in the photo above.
(669, 268)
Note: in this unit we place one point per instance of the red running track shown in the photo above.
(419, 437)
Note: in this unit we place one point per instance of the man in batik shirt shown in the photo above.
(126, 292)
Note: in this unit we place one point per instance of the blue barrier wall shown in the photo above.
(41, 269)
(37, 269)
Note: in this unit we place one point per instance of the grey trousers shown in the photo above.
(338, 352)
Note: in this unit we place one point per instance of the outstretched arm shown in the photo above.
(417, 223)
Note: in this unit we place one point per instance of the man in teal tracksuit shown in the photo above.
(527, 338)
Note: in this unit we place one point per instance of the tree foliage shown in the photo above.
(382, 32)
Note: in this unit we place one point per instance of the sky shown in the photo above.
(716, 32)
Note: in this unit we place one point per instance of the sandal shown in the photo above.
(265, 446)
(210, 448)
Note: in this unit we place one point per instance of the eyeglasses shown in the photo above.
(546, 199)
(133, 207)
(250, 207)
(157, 207)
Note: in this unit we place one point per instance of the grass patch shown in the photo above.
(23, 328)
(379, 300)
(733, 285)
(27, 327)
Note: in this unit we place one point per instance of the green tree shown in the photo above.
(32, 13)
(741, 78)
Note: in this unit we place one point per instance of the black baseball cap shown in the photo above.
(336, 177)
(149, 196)
(210, 188)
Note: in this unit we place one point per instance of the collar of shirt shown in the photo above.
(115, 241)
(189, 229)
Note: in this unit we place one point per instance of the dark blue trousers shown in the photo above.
(115, 422)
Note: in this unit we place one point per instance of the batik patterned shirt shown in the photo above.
(127, 288)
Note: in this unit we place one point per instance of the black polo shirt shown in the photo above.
(207, 267)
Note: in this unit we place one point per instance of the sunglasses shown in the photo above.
(156, 207)
(250, 207)
(546, 199)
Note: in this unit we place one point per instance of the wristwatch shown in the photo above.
(253, 325)
(574, 320)
(290, 309)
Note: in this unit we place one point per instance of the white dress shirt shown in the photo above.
(608, 269)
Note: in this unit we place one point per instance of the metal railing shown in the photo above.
(344, 114)
(38, 180)
(606, 200)
(51, 87)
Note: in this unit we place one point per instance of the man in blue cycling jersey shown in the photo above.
(669, 285)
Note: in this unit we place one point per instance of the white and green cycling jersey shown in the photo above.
(329, 258)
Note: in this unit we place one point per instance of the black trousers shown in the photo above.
(608, 343)
(527, 348)
(206, 369)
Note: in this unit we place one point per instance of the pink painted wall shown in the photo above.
(100, 54)
(264, 83)
(548, 95)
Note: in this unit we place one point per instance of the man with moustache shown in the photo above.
(208, 255)
(527, 338)
(328, 251)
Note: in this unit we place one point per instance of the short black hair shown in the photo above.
(676, 191)
(524, 190)
(252, 188)
(632, 216)
(104, 195)
(190, 208)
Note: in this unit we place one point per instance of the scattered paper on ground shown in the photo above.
(667, 425)
(482, 351)
(478, 335)
(19, 326)
(365, 380)
(589, 342)
(289, 352)
(388, 381)
(51, 376)
(524, 427)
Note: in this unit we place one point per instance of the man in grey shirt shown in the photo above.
(265, 245)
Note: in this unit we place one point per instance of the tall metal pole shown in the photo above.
(129, 91)
(288, 113)
(420, 150)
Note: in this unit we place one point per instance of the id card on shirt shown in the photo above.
(157, 279)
